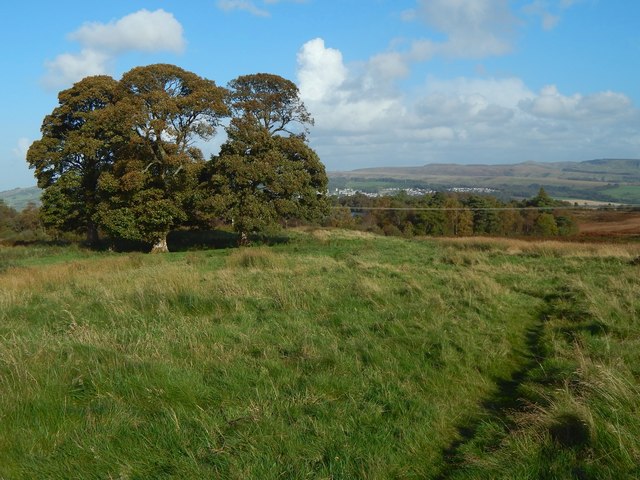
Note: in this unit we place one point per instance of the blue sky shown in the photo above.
(389, 82)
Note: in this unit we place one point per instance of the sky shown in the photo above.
(389, 82)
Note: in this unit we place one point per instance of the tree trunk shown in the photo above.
(243, 239)
(161, 245)
(92, 234)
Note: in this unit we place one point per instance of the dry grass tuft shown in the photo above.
(325, 234)
(253, 258)
(544, 248)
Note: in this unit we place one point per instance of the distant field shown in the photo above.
(336, 355)
(626, 193)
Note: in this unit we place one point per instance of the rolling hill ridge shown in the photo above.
(608, 180)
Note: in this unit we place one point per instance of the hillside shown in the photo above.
(18, 198)
(335, 355)
(609, 180)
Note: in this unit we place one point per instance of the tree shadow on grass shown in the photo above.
(185, 240)
(190, 240)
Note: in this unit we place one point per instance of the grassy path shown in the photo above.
(560, 414)
(500, 406)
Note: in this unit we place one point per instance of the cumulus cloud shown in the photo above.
(361, 120)
(143, 31)
(597, 107)
(321, 70)
(70, 67)
(337, 96)
(473, 28)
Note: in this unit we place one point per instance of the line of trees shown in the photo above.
(21, 226)
(122, 157)
(454, 215)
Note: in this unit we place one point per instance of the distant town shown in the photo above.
(413, 192)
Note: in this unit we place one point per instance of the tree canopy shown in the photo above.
(265, 172)
(164, 110)
(270, 101)
(78, 144)
(123, 156)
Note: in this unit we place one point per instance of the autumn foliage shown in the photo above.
(123, 157)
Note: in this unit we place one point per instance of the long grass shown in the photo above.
(334, 356)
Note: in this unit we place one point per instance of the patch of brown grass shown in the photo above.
(554, 248)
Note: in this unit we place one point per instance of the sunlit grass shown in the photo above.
(334, 356)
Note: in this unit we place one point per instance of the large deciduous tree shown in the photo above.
(265, 172)
(164, 109)
(78, 144)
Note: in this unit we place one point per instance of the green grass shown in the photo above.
(39, 255)
(337, 355)
(624, 193)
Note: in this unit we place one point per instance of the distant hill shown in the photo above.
(609, 180)
(18, 198)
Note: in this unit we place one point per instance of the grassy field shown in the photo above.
(336, 355)
(626, 193)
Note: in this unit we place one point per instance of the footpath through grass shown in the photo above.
(338, 355)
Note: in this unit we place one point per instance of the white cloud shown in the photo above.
(243, 5)
(321, 70)
(340, 99)
(597, 108)
(389, 66)
(362, 120)
(70, 67)
(550, 12)
(143, 31)
(473, 28)
(251, 6)
(21, 148)
(507, 92)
